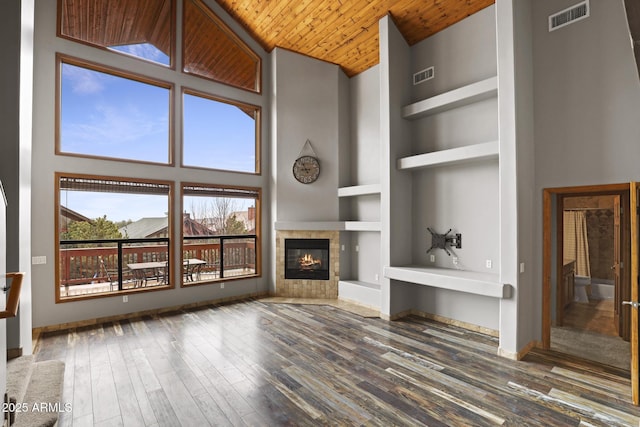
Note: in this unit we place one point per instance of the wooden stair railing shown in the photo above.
(14, 295)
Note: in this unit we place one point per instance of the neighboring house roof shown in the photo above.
(143, 227)
(194, 228)
(146, 227)
(72, 215)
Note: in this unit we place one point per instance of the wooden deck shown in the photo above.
(264, 364)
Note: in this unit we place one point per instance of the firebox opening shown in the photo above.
(306, 259)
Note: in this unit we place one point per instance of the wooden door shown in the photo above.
(617, 306)
(635, 252)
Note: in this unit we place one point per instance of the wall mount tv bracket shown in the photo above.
(444, 241)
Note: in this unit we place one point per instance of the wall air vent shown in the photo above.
(569, 15)
(424, 75)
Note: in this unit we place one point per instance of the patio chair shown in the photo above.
(213, 268)
(188, 273)
(109, 274)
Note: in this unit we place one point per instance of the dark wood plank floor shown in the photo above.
(263, 364)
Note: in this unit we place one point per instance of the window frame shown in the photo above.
(257, 235)
(172, 38)
(117, 72)
(239, 104)
(170, 243)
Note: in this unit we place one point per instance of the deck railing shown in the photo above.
(105, 261)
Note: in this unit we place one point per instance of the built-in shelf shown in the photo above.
(362, 226)
(484, 151)
(328, 225)
(364, 293)
(465, 95)
(472, 282)
(361, 284)
(359, 190)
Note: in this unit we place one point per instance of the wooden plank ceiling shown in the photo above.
(344, 32)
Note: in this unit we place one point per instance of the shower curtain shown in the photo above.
(575, 243)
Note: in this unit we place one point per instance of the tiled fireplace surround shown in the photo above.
(299, 288)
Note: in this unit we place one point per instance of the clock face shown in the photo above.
(306, 169)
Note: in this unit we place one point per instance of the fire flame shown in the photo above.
(307, 261)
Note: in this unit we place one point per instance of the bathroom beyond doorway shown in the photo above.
(605, 210)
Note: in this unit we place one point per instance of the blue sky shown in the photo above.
(110, 116)
(117, 207)
(105, 115)
(121, 207)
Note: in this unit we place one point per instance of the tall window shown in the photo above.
(220, 134)
(220, 232)
(108, 114)
(114, 235)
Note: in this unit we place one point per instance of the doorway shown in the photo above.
(585, 272)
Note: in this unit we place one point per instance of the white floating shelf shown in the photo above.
(328, 225)
(362, 226)
(484, 151)
(307, 225)
(359, 190)
(361, 284)
(456, 280)
(465, 95)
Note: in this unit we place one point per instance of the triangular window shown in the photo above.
(141, 28)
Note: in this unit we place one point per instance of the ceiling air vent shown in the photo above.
(424, 75)
(569, 16)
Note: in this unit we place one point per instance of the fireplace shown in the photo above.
(306, 259)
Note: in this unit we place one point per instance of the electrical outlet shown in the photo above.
(432, 258)
(38, 260)
(522, 267)
(357, 248)
(221, 285)
(455, 260)
(125, 298)
(377, 277)
(489, 264)
(342, 248)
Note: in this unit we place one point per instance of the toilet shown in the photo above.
(580, 288)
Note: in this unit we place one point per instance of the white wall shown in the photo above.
(365, 129)
(464, 197)
(45, 164)
(361, 165)
(515, 84)
(306, 96)
(587, 99)
(16, 33)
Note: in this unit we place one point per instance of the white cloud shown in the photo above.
(83, 81)
(145, 51)
(112, 125)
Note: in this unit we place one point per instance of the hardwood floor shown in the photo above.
(596, 316)
(264, 364)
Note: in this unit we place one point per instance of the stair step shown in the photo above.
(37, 390)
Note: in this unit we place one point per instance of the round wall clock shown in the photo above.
(306, 169)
